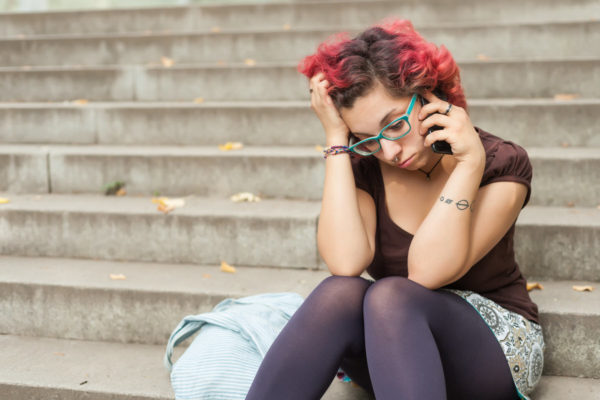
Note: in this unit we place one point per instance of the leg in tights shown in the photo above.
(424, 344)
(305, 356)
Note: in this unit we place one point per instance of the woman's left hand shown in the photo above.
(457, 130)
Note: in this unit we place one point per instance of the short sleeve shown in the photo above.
(509, 162)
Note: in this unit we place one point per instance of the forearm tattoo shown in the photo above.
(461, 204)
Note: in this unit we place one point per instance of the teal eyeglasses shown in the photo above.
(395, 130)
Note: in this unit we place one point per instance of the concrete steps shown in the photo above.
(529, 122)
(264, 81)
(74, 370)
(552, 242)
(325, 13)
(527, 41)
(76, 299)
(181, 170)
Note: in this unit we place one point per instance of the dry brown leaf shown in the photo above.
(59, 354)
(206, 276)
(583, 288)
(570, 204)
(231, 146)
(80, 102)
(221, 63)
(250, 62)
(121, 192)
(117, 277)
(199, 100)
(483, 57)
(4, 200)
(227, 268)
(215, 29)
(167, 62)
(287, 27)
(565, 144)
(534, 285)
(565, 96)
(166, 205)
(245, 196)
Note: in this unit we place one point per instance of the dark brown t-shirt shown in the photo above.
(497, 275)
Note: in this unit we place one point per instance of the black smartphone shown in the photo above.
(440, 146)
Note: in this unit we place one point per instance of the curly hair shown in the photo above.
(392, 53)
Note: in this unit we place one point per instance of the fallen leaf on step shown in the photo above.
(565, 144)
(583, 288)
(167, 62)
(206, 276)
(59, 354)
(215, 29)
(117, 277)
(245, 196)
(287, 27)
(319, 148)
(113, 188)
(227, 268)
(199, 100)
(250, 62)
(221, 63)
(121, 192)
(4, 200)
(83, 383)
(570, 204)
(166, 205)
(483, 57)
(565, 96)
(231, 146)
(80, 102)
(534, 285)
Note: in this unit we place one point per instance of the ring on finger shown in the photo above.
(448, 109)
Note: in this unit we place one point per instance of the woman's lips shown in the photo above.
(406, 163)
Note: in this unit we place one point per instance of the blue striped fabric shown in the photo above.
(222, 361)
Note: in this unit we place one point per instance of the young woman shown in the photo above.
(448, 315)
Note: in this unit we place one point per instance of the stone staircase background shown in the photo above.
(86, 100)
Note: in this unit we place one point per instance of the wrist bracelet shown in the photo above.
(333, 150)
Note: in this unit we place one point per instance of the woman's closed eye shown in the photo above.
(397, 126)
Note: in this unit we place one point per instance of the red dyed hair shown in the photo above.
(392, 53)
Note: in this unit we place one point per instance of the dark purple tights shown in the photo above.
(418, 343)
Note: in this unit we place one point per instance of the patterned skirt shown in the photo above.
(521, 340)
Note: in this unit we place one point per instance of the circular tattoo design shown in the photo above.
(442, 198)
(462, 205)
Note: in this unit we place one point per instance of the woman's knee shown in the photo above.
(344, 293)
(398, 291)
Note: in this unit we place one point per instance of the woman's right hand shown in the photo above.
(336, 130)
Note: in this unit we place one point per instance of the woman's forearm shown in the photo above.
(440, 246)
(341, 235)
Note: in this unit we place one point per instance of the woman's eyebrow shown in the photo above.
(382, 123)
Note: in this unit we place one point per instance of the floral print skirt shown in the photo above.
(522, 341)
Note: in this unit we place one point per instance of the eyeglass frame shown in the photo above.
(380, 135)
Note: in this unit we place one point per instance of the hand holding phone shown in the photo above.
(440, 146)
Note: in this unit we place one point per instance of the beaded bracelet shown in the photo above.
(333, 150)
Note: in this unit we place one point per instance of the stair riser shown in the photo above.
(18, 391)
(297, 15)
(527, 41)
(530, 125)
(481, 80)
(558, 252)
(123, 316)
(184, 239)
(281, 176)
(542, 251)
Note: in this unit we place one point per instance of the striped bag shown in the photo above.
(223, 359)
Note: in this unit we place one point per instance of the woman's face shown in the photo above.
(375, 110)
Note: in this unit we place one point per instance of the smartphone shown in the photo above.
(440, 146)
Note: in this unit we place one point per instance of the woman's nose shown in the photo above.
(390, 148)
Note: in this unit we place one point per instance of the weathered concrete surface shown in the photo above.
(205, 231)
(278, 14)
(274, 81)
(529, 41)
(528, 122)
(24, 170)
